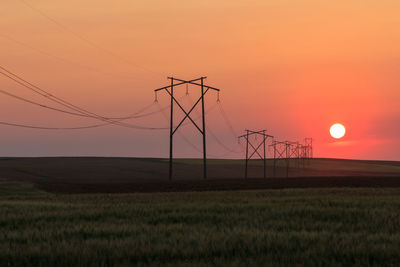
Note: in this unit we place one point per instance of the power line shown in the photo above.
(213, 134)
(67, 104)
(64, 111)
(138, 114)
(83, 38)
(227, 120)
(36, 89)
(61, 59)
(70, 128)
(132, 116)
(39, 104)
(52, 128)
(222, 144)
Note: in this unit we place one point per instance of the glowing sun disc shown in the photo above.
(337, 130)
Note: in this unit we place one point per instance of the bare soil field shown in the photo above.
(125, 175)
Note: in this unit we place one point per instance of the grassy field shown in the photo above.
(326, 227)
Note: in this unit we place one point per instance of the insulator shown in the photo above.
(187, 89)
(155, 97)
(218, 100)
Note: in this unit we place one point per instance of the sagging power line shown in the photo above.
(64, 60)
(211, 132)
(84, 39)
(76, 110)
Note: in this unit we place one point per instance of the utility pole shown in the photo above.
(204, 130)
(274, 146)
(287, 146)
(171, 134)
(170, 90)
(256, 148)
(247, 152)
(264, 154)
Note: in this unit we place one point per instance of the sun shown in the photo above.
(337, 130)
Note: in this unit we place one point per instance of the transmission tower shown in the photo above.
(170, 90)
(294, 152)
(303, 154)
(255, 148)
(308, 142)
(281, 151)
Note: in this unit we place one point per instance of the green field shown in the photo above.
(321, 227)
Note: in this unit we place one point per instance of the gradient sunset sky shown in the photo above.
(291, 67)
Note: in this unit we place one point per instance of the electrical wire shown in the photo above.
(132, 116)
(227, 148)
(67, 104)
(221, 143)
(39, 104)
(51, 128)
(61, 59)
(227, 121)
(137, 114)
(83, 38)
(38, 90)
(59, 110)
(57, 128)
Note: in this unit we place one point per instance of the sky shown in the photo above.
(293, 68)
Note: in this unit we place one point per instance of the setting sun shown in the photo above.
(337, 130)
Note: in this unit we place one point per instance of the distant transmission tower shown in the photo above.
(308, 143)
(255, 148)
(281, 151)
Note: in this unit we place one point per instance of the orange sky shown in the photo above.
(291, 67)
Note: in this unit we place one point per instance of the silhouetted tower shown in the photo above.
(294, 152)
(281, 152)
(255, 148)
(170, 90)
(308, 142)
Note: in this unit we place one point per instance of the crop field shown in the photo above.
(45, 225)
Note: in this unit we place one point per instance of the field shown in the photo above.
(126, 175)
(43, 224)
